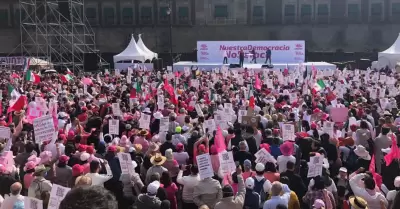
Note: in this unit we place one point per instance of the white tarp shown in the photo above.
(143, 47)
(132, 52)
(390, 56)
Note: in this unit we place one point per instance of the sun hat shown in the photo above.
(158, 159)
(29, 166)
(82, 148)
(77, 170)
(287, 148)
(361, 152)
(249, 183)
(112, 148)
(40, 170)
(157, 115)
(358, 202)
(34, 159)
(318, 204)
(63, 159)
(45, 157)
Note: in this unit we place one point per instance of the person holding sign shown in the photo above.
(230, 200)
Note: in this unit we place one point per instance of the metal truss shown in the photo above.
(57, 30)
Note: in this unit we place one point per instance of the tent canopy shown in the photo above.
(143, 47)
(390, 56)
(132, 52)
(33, 61)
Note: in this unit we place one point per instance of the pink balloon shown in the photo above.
(87, 81)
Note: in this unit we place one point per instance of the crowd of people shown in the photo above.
(138, 139)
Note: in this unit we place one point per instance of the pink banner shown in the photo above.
(339, 114)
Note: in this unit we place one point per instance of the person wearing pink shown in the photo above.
(171, 164)
(29, 169)
(86, 165)
(170, 188)
(247, 170)
(214, 158)
(142, 140)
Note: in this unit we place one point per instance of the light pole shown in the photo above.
(169, 13)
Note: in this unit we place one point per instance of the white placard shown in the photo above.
(113, 126)
(132, 101)
(198, 110)
(32, 203)
(194, 83)
(125, 162)
(226, 162)
(144, 121)
(57, 194)
(43, 128)
(204, 165)
(328, 128)
(210, 124)
(241, 113)
(262, 156)
(85, 89)
(315, 166)
(228, 106)
(160, 102)
(116, 109)
(292, 97)
(5, 133)
(288, 132)
(164, 124)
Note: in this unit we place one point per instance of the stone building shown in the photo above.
(325, 25)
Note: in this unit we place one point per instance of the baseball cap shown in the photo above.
(249, 183)
(153, 188)
(343, 169)
(260, 167)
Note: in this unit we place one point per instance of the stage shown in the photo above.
(180, 66)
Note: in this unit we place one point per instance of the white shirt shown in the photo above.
(332, 188)
(224, 54)
(99, 179)
(188, 182)
(282, 161)
(53, 149)
(9, 202)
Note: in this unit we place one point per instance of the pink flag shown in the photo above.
(394, 152)
(313, 71)
(219, 141)
(257, 84)
(377, 177)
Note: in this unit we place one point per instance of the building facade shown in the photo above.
(325, 25)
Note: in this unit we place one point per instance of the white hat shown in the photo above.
(260, 167)
(343, 169)
(361, 152)
(397, 182)
(158, 115)
(249, 183)
(147, 110)
(84, 156)
(153, 188)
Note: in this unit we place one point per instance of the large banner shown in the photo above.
(281, 51)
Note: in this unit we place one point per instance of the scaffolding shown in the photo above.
(58, 31)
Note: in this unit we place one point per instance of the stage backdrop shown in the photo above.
(281, 51)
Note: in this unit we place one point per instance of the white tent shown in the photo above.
(143, 47)
(132, 52)
(33, 61)
(390, 56)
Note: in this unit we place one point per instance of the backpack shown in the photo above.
(40, 194)
(351, 161)
(259, 188)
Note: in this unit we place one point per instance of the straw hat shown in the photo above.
(358, 202)
(361, 152)
(158, 159)
(40, 170)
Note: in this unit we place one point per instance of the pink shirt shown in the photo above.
(28, 178)
(142, 141)
(86, 168)
(171, 194)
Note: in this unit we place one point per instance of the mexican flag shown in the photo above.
(66, 78)
(136, 90)
(32, 77)
(17, 102)
(27, 63)
(319, 85)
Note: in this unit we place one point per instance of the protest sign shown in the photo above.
(160, 102)
(198, 110)
(263, 156)
(210, 124)
(164, 124)
(125, 162)
(43, 128)
(132, 101)
(32, 203)
(57, 194)
(116, 109)
(227, 165)
(315, 166)
(204, 165)
(5, 133)
(328, 128)
(241, 113)
(113, 126)
(339, 114)
(317, 116)
(250, 120)
(144, 121)
(288, 131)
(219, 120)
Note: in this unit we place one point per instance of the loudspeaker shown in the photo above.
(234, 66)
(158, 65)
(267, 66)
(63, 8)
